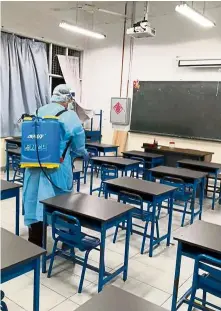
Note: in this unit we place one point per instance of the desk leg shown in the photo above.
(17, 211)
(78, 183)
(116, 152)
(170, 219)
(102, 254)
(201, 197)
(127, 245)
(36, 293)
(214, 192)
(7, 165)
(193, 202)
(152, 229)
(220, 193)
(44, 242)
(176, 277)
(92, 175)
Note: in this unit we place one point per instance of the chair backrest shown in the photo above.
(108, 172)
(66, 228)
(93, 151)
(175, 182)
(132, 198)
(16, 162)
(212, 267)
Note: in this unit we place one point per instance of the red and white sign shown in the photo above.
(120, 110)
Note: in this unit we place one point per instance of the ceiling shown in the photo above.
(40, 19)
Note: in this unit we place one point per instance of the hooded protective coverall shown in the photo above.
(36, 185)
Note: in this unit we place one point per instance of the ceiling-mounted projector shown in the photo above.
(141, 30)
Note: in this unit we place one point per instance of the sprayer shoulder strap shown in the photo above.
(60, 112)
(57, 114)
(69, 142)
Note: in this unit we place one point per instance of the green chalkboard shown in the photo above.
(178, 108)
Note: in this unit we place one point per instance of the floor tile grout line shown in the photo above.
(15, 303)
(63, 302)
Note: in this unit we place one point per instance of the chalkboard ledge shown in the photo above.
(175, 136)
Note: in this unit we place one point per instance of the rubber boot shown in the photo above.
(35, 232)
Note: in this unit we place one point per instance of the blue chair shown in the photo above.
(3, 306)
(77, 177)
(107, 172)
(141, 169)
(138, 213)
(209, 281)
(93, 151)
(67, 229)
(182, 194)
(18, 171)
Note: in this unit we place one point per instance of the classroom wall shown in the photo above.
(153, 59)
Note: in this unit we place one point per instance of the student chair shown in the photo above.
(67, 229)
(107, 172)
(3, 306)
(180, 195)
(77, 177)
(139, 212)
(209, 281)
(93, 151)
(141, 169)
(212, 188)
(18, 171)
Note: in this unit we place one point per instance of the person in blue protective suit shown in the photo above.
(37, 185)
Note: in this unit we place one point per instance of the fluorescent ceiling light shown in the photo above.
(111, 12)
(195, 16)
(82, 31)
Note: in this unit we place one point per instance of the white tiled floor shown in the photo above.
(149, 278)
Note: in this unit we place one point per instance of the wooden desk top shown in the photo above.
(6, 185)
(15, 250)
(118, 161)
(179, 150)
(144, 155)
(140, 186)
(87, 206)
(177, 172)
(99, 145)
(201, 165)
(201, 234)
(113, 298)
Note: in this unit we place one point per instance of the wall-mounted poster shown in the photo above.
(120, 110)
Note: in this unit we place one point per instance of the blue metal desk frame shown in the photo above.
(216, 173)
(184, 299)
(104, 277)
(13, 193)
(23, 268)
(197, 182)
(154, 161)
(156, 200)
(131, 167)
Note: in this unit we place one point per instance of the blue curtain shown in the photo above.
(24, 80)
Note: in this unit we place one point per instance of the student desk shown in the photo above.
(207, 167)
(104, 148)
(199, 238)
(94, 213)
(191, 178)
(113, 298)
(13, 145)
(150, 159)
(121, 164)
(149, 191)
(10, 190)
(18, 257)
(172, 155)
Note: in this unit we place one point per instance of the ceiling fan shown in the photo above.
(89, 8)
